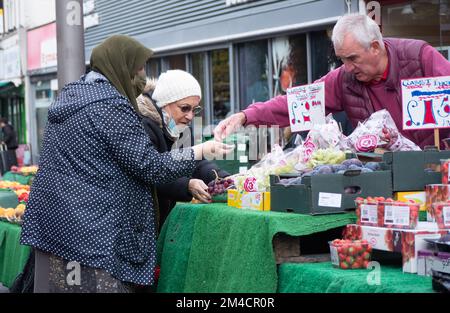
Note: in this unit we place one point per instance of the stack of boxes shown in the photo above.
(393, 226)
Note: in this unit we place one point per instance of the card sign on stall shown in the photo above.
(306, 105)
(426, 104)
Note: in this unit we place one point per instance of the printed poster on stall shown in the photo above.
(306, 105)
(426, 102)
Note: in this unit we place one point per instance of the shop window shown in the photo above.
(289, 63)
(153, 67)
(253, 73)
(198, 71)
(44, 97)
(220, 84)
(323, 58)
(177, 62)
(418, 19)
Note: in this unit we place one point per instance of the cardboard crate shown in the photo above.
(405, 241)
(324, 194)
(409, 168)
(418, 196)
(259, 201)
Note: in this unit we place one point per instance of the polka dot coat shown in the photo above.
(91, 200)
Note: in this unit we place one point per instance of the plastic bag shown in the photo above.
(277, 162)
(379, 131)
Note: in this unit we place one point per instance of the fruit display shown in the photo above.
(350, 254)
(25, 170)
(327, 156)
(444, 171)
(436, 193)
(218, 188)
(14, 215)
(5, 184)
(441, 213)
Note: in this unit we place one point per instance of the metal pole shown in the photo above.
(70, 41)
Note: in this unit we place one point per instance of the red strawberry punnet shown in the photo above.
(444, 171)
(436, 193)
(352, 254)
(398, 214)
(441, 213)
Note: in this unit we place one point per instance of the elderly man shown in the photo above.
(368, 81)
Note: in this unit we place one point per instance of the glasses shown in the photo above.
(187, 108)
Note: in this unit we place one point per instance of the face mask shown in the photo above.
(172, 128)
(139, 83)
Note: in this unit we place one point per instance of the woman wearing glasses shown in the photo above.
(168, 105)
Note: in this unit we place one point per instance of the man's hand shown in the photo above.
(199, 190)
(229, 126)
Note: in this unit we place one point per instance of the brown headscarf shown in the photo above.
(119, 58)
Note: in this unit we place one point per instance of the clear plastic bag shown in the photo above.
(379, 131)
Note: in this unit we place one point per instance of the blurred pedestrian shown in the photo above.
(9, 141)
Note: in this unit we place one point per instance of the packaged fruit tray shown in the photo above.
(350, 254)
(441, 213)
(381, 212)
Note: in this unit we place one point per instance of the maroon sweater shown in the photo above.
(407, 59)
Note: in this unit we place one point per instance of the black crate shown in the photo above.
(413, 170)
(311, 196)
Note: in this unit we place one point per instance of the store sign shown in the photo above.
(11, 62)
(229, 3)
(10, 59)
(90, 20)
(1, 21)
(306, 106)
(48, 53)
(41, 47)
(426, 103)
(88, 6)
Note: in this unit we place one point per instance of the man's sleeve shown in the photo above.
(434, 63)
(333, 91)
(271, 112)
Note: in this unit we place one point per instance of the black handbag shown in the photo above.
(24, 282)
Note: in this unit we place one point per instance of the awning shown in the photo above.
(15, 81)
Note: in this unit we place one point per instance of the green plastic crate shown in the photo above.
(8, 199)
(324, 194)
(409, 168)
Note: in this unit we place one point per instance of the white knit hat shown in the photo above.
(174, 85)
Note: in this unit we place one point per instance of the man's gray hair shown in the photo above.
(362, 27)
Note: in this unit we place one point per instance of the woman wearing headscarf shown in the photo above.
(168, 106)
(90, 213)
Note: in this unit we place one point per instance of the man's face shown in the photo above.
(363, 63)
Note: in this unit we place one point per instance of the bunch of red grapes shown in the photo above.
(219, 186)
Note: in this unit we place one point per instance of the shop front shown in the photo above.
(240, 51)
(42, 79)
(12, 103)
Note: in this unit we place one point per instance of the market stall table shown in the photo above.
(216, 248)
(13, 256)
(324, 278)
